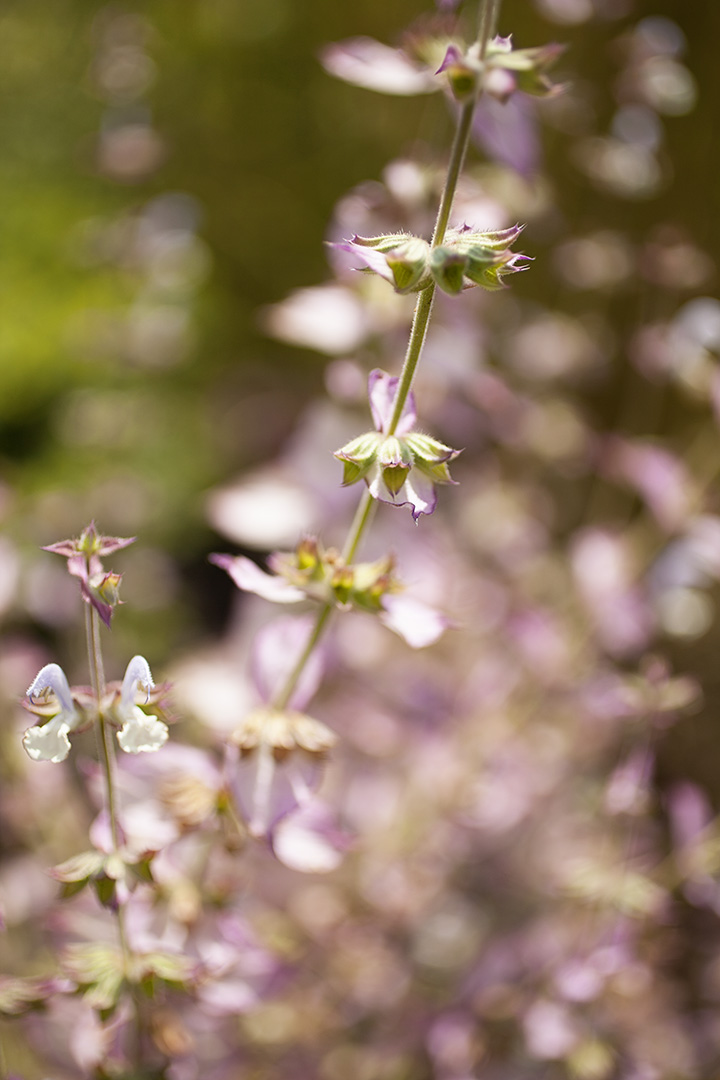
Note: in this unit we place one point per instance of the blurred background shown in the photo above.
(168, 176)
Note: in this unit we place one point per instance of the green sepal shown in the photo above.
(488, 275)
(142, 869)
(429, 451)
(98, 970)
(169, 968)
(394, 476)
(386, 242)
(17, 994)
(79, 868)
(342, 584)
(358, 456)
(106, 891)
(409, 265)
(447, 266)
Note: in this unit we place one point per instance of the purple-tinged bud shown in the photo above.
(89, 543)
(463, 73)
(83, 554)
(342, 584)
(308, 555)
(395, 460)
(521, 70)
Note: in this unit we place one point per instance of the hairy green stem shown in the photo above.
(363, 515)
(488, 15)
(423, 309)
(105, 747)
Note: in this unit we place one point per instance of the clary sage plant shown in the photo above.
(154, 997)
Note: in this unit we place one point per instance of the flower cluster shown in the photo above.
(311, 572)
(400, 467)
(466, 258)
(504, 70)
(64, 710)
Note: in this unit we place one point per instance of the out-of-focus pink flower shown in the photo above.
(310, 840)
(311, 573)
(603, 570)
(656, 474)
(275, 763)
(374, 66)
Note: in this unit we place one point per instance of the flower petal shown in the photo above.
(248, 576)
(370, 64)
(142, 733)
(382, 389)
(417, 623)
(419, 491)
(52, 677)
(266, 790)
(48, 742)
(276, 649)
(310, 840)
(137, 673)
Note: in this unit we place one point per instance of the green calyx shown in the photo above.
(358, 456)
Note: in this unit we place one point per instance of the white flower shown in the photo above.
(140, 733)
(49, 741)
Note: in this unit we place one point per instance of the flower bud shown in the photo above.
(308, 555)
(342, 583)
(463, 71)
(395, 460)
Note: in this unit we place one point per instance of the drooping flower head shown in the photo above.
(402, 468)
(84, 560)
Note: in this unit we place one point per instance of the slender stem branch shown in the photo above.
(107, 757)
(283, 696)
(421, 318)
(489, 11)
(488, 15)
(423, 309)
(363, 516)
(105, 747)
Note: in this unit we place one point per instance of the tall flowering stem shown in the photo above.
(363, 516)
(106, 753)
(489, 10)
(488, 16)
